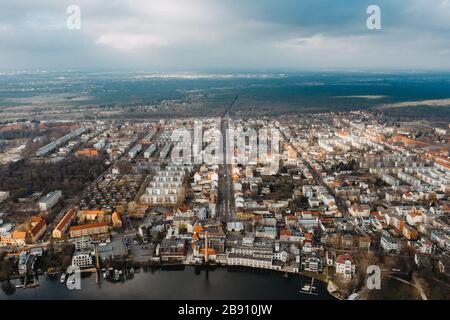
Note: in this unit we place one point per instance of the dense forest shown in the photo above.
(69, 175)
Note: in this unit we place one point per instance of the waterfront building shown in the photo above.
(259, 253)
(82, 259)
(312, 262)
(345, 265)
(235, 259)
(172, 249)
(23, 263)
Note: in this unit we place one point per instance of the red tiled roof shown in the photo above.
(344, 257)
(37, 228)
(88, 226)
(67, 217)
(285, 232)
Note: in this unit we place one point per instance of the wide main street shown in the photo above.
(225, 200)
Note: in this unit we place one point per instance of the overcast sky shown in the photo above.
(225, 35)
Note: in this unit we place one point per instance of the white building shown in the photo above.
(5, 228)
(167, 186)
(149, 151)
(165, 151)
(234, 259)
(55, 144)
(149, 136)
(100, 144)
(82, 259)
(82, 243)
(49, 201)
(390, 244)
(23, 262)
(409, 179)
(390, 180)
(345, 265)
(3, 195)
(312, 262)
(135, 151)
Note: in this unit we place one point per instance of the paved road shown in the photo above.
(418, 288)
(225, 207)
(340, 203)
(225, 199)
(73, 203)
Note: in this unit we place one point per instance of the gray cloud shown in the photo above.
(214, 34)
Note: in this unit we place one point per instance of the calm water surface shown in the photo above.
(184, 283)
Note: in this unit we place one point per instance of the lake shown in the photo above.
(191, 283)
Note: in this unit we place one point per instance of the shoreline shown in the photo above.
(199, 278)
(212, 266)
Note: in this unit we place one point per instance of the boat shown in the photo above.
(353, 296)
(32, 285)
(63, 277)
(309, 288)
(285, 275)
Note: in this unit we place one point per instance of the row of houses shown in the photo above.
(167, 186)
(29, 232)
(93, 222)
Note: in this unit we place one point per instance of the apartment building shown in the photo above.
(3, 195)
(82, 259)
(390, 244)
(135, 151)
(167, 186)
(55, 144)
(149, 151)
(64, 223)
(50, 200)
(345, 265)
(235, 259)
(88, 229)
